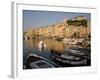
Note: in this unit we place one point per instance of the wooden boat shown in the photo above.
(81, 52)
(68, 58)
(34, 61)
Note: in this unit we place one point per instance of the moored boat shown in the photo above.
(34, 61)
(68, 59)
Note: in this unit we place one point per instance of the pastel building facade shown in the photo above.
(61, 29)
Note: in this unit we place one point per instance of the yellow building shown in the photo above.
(61, 29)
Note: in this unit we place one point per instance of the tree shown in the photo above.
(77, 22)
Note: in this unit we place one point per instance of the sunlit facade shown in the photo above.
(61, 29)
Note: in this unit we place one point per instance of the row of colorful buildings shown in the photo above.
(61, 29)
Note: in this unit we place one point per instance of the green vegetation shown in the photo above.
(77, 22)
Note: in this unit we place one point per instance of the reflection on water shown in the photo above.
(31, 46)
(50, 44)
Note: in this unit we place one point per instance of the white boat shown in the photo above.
(70, 41)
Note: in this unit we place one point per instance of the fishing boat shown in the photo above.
(68, 59)
(81, 52)
(35, 61)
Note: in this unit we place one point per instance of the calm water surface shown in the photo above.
(31, 46)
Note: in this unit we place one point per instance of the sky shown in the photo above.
(35, 19)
